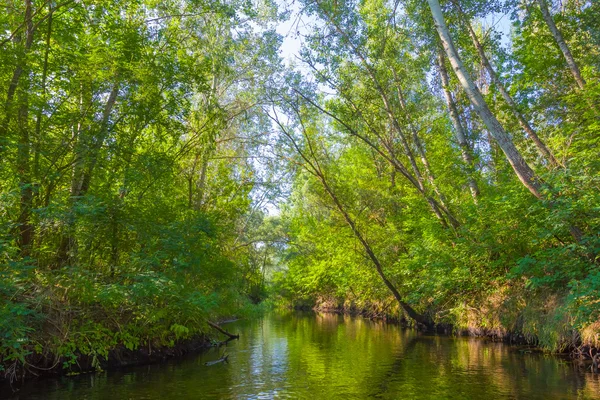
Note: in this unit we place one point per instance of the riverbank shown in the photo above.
(41, 366)
(490, 321)
(329, 356)
(70, 321)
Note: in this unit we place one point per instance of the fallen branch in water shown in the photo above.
(223, 331)
(229, 320)
(220, 360)
(222, 343)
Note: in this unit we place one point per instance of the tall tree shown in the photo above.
(311, 163)
(459, 131)
(523, 171)
(541, 146)
(560, 41)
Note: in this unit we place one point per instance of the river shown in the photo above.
(327, 356)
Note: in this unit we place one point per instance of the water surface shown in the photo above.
(327, 356)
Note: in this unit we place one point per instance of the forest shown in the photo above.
(164, 165)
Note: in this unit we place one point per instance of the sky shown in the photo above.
(298, 25)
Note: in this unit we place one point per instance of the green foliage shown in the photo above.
(124, 184)
(376, 128)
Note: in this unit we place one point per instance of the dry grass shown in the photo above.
(590, 335)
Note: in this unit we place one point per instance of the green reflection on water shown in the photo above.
(324, 356)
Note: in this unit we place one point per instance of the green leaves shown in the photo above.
(377, 118)
(134, 125)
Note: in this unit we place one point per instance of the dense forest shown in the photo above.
(163, 166)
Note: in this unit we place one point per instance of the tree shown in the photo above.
(523, 171)
(564, 48)
(313, 164)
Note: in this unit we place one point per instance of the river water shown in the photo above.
(328, 356)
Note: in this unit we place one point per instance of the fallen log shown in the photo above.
(223, 331)
(222, 343)
(220, 360)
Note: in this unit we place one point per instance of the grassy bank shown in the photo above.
(508, 314)
(69, 321)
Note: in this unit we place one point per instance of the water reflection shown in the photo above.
(323, 356)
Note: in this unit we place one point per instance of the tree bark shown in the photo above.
(541, 146)
(223, 331)
(561, 44)
(24, 146)
(523, 171)
(459, 131)
(314, 168)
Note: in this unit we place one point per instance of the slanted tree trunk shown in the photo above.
(435, 205)
(541, 146)
(313, 166)
(86, 157)
(390, 156)
(421, 150)
(561, 44)
(412, 313)
(519, 165)
(223, 331)
(98, 141)
(523, 171)
(459, 131)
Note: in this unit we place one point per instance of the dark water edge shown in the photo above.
(118, 358)
(314, 355)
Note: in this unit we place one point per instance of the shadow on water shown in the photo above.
(323, 356)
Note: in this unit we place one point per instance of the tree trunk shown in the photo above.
(25, 184)
(8, 108)
(98, 141)
(459, 131)
(412, 313)
(519, 165)
(315, 169)
(435, 206)
(201, 184)
(38, 118)
(541, 146)
(85, 161)
(421, 150)
(561, 44)
(223, 331)
(114, 237)
(24, 146)
(389, 155)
